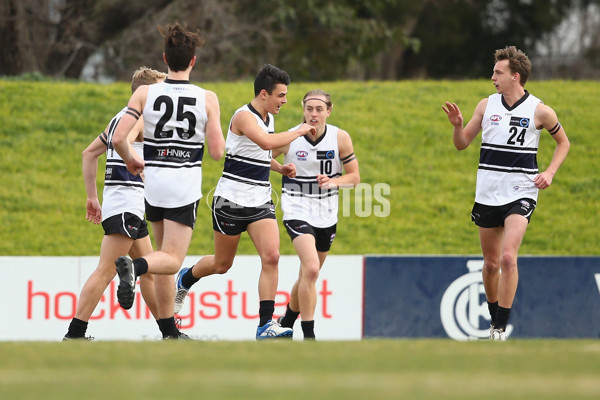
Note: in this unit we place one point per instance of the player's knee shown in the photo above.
(509, 262)
(222, 266)
(270, 259)
(492, 265)
(310, 271)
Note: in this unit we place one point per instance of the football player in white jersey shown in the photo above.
(508, 179)
(121, 214)
(310, 201)
(242, 199)
(179, 119)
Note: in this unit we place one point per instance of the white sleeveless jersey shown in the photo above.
(508, 156)
(301, 196)
(123, 191)
(174, 132)
(245, 179)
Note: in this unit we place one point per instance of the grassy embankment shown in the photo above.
(401, 137)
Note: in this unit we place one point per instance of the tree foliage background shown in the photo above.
(313, 40)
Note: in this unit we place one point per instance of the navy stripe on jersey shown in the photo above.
(312, 178)
(509, 148)
(332, 192)
(122, 183)
(116, 173)
(245, 170)
(248, 159)
(305, 187)
(508, 161)
(173, 156)
(246, 181)
(169, 141)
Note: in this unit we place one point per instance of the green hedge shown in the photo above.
(401, 137)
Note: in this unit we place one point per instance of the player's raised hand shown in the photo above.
(306, 129)
(453, 113)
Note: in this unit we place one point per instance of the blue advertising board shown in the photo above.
(430, 296)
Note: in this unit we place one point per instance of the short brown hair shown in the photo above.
(180, 45)
(517, 61)
(145, 76)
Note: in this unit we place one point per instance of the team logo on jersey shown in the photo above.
(301, 155)
(326, 155)
(495, 119)
(519, 121)
(525, 205)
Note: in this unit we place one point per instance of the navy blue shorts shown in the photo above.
(494, 216)
(232, 219)
(323, 236)
(127, 224)
(185, 215)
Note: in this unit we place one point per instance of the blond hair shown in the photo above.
(145, 76)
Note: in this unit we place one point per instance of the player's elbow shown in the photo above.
(119, 141)
(566, 145)
(266, 145)
(460, 145)
(216, 154)
(354, 178)
(86, 154)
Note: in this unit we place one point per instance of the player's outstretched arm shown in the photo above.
(463, 136)
(244, 123)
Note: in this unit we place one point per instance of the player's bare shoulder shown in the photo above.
(545, 116)
(242, 122)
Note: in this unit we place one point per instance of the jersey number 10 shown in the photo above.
(326, 167)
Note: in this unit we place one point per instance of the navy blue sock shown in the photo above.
(167, 327)
(188, 280)
(140, 266)
(308, 328)
(77, 328)
(265, 310)
(493, 307)
(502, 316)
(289, 318)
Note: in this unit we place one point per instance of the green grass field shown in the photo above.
(368, 369)
(401, 137)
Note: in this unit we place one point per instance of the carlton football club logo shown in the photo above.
(464, 306)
